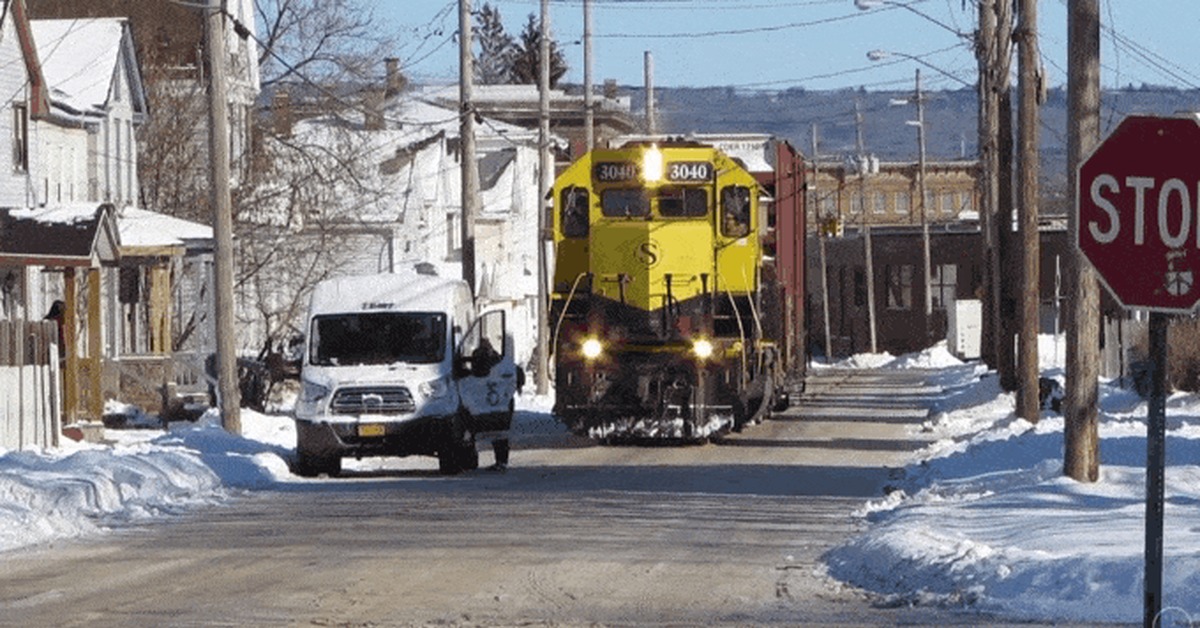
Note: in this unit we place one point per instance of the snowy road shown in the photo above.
(573, 534)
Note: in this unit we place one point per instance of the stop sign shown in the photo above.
(1138, 212)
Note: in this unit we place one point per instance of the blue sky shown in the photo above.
(815, 44)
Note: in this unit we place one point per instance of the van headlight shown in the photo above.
(312, 392)
(434, 388)
(702, 348)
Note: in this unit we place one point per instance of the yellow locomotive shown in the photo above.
(670, 318)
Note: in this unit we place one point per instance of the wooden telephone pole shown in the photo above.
(1029, 84)
(1081, 456)
(219, 197)
(545, 183)
(468, 168)
(994, 49)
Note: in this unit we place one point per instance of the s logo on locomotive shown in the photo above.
(647, 253)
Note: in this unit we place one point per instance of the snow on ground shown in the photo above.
(82, 489)
(983, 517)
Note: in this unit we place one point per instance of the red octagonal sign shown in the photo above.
(1138, 212)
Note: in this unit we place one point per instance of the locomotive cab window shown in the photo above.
(735, 211)
(625, 203)
(574, 212)
(682, 202)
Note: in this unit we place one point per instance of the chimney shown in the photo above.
(395, 80)
(281, 113)
(610, 88)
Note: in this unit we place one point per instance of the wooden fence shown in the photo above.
(30, 385)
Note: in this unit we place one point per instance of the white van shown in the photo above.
(399, 365)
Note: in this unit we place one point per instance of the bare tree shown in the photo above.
(329, 41)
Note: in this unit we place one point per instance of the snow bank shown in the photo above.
(83, 489)
(986, 519)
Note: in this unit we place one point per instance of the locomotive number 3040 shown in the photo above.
(689, 171)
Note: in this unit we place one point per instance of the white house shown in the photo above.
(87, 149)
(409, 211)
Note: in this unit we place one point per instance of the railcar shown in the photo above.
(677, 303)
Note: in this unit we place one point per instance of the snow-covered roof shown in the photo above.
(62, 214)
(145, 228)
(79, 58)
(70, 234)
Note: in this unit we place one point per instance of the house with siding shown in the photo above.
(404, 209)
(72, 181)
(87, 153)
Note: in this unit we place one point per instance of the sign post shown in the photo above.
(1138, 223)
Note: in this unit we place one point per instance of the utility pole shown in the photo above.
(219, 197)
(985, 51)
(821, 236)
(545, 183)
(868, 252)
(651, 128)
(589, 106)
(468, 168)
(925, 253)
(1028, 403)
(1081, 448)
(1003, 258)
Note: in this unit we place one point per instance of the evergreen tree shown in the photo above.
(525, 67)
(493, 63)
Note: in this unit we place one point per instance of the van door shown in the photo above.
(488, 374)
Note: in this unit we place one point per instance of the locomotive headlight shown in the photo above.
(652, 164)
(592, 348)
(702, 348)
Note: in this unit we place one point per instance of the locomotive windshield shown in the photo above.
(378, 338)
(682, 202)
(625, 203)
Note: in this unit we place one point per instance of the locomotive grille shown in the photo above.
(373, 400)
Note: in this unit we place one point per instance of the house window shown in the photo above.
(903, 203)
(453, 234)
(855, 201)
(948, 207)
(966, 202)
(943, 283)
(828, 205)
(880, 203)
(20, 138)
(899, 286)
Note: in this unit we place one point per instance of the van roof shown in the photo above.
(407, 291)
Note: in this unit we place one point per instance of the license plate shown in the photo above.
(368, 430)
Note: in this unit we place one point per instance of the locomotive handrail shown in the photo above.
(566, 306)
(737, 315)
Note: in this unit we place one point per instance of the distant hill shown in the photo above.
(950, 119)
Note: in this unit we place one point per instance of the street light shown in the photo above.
(867, 5)
(919, 100)
(883, 55)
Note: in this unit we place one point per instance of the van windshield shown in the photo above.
(378, 338)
